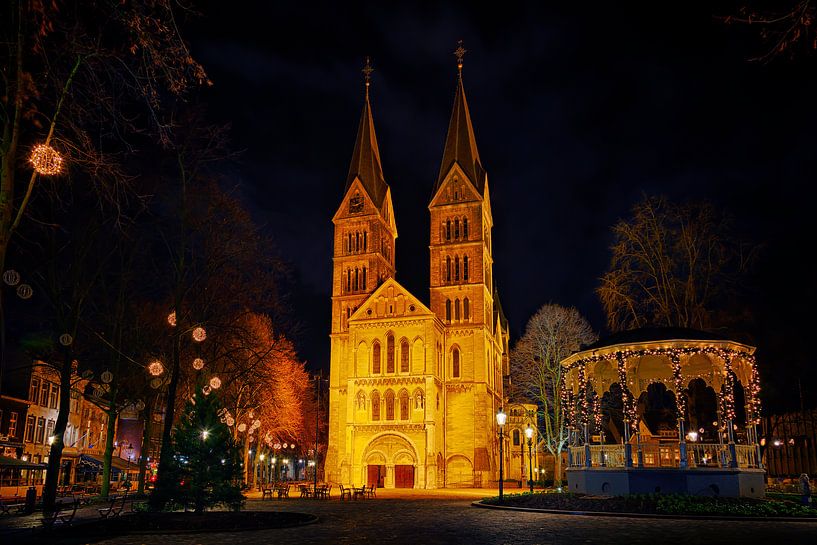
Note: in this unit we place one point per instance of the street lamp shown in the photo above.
(127, 467)
(500, 421)
(529, 435)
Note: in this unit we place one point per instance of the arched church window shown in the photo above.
(457, 228)
(357, 241)
(389, 405)
(465, 228)
(348, 279)
(404, 405)
(349, 248)
(447, 229)
(466, 309)
(465, 268)
(375, 406)
(455, 363)
(438, 401)
(376, 358)
(404, 356)
(355, 284)
(456, 310)
(448, 310)
(448, 268)
(516, 438)
(457, 269)
(365, 242)
(363, 284)
(390, 353)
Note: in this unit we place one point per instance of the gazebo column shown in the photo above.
(680, 405)
(729, 409)
(588, 462)
(625, 398)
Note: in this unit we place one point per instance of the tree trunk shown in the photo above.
(557, 469)
(167, 432)
(146, 435)
(107, 457)
(55, 455)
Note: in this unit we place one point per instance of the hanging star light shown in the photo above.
(215, 383)
(199, 334)
(198, 364)
(156, 368)
(242, 427)
(206, 390)
(46, 160)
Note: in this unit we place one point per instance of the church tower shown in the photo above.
(365, 230)
(461, 223)
(463, 299)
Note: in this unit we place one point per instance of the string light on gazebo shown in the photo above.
(199, 334)
(156, 368)
(46, 160)
(198, 364)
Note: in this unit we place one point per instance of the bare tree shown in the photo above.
(672, 265)
(552, 334)
(788, 28)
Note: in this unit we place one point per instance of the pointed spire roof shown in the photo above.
(366, 156)
(460, 144)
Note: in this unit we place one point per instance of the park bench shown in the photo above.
(114, 510)
(14, 504)
(63, 512)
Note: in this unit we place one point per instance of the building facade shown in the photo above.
(414, 388)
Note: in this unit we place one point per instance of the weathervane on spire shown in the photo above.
(367, 73)
(459, 53)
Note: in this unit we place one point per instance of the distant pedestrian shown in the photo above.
(805, 489)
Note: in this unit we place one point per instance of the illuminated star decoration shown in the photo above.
(199, 334)
(156, 368)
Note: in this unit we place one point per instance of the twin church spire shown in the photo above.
(460, 144)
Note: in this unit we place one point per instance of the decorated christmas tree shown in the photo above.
(206, 466)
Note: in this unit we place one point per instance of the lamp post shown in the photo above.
(529, 435)
(500, 422)
(261, 469)
(127, 467)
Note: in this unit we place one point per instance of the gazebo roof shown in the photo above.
(650, 334)
(657, 338)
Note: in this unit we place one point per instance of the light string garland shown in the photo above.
(46, 160)
(628, 405)
(678, 381)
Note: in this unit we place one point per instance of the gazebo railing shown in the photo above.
(699, 455)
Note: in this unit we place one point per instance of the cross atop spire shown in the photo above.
(460, 53)
(367, 73)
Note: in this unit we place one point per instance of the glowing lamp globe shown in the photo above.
(199, 334)
(529, 432)
(500, 417)
(156, 368)
(215, 383)
(46, 160)
(198, 364)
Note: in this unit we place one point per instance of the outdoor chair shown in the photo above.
(359, 492)
(371, 492)
(63, 512)
(324, 491)
(114, 510)
(345, 493)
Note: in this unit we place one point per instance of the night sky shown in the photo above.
(577, 115)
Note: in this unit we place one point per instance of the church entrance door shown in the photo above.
(403, 476)
(376, 476)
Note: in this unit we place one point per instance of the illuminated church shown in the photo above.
(414, 388)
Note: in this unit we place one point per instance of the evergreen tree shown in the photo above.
(206, 463)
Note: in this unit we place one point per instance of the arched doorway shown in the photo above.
(390, 461)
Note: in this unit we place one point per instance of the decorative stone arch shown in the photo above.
(418, 355)
(459, 471)
(389, 448)
(455, 357)
(362, 357)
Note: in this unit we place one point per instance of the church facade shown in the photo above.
(414, 387)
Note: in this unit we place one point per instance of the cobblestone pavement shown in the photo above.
(447, 518)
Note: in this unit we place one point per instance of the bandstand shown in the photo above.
(720, 458)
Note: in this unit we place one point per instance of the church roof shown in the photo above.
(461, 145)
(365, 163)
